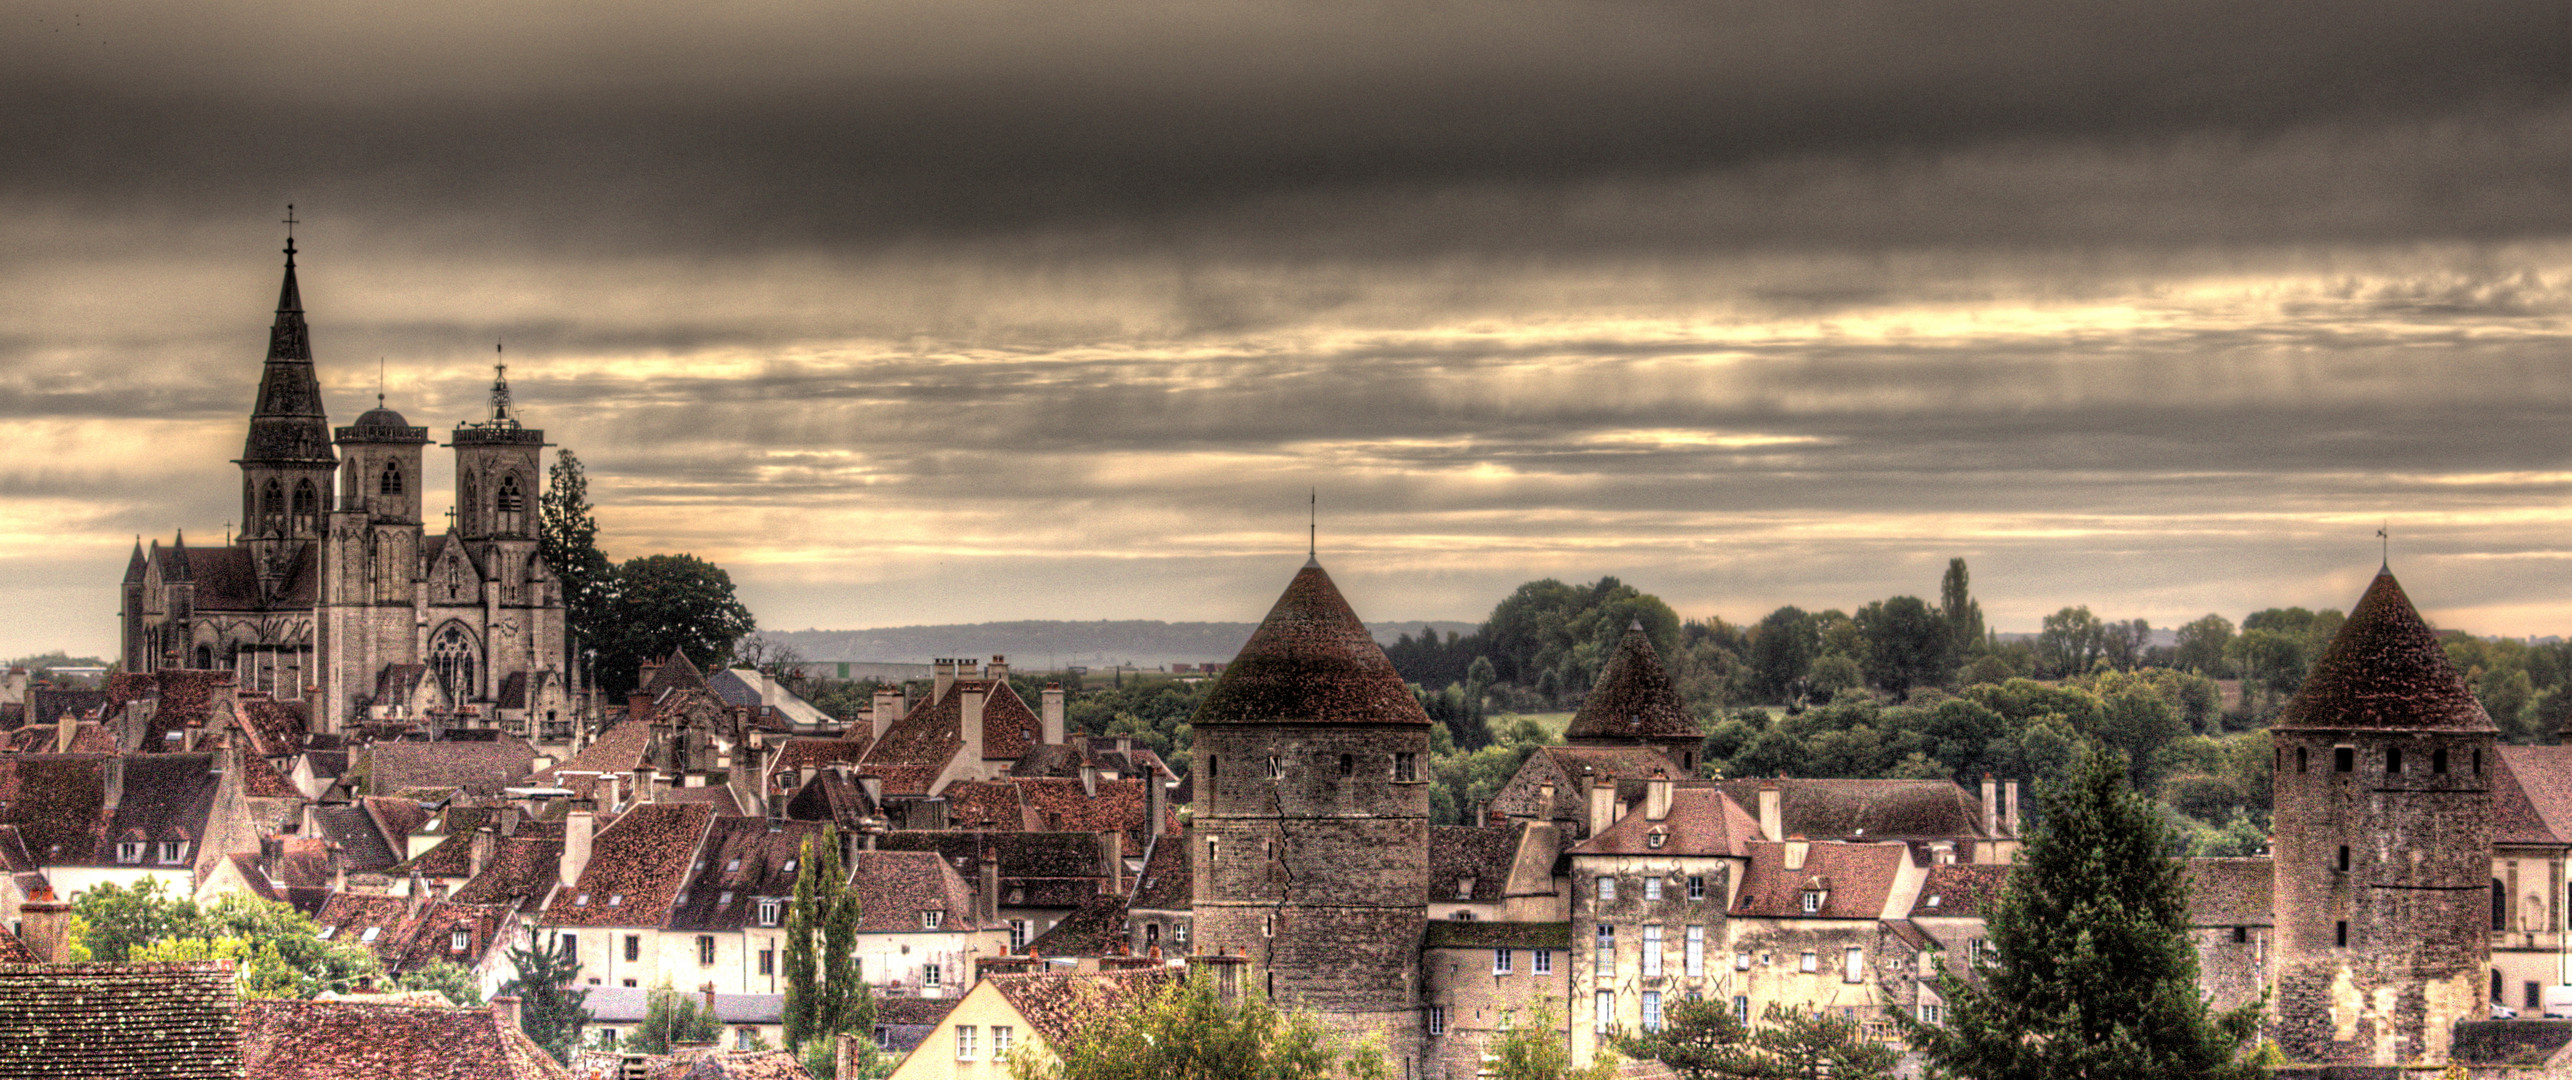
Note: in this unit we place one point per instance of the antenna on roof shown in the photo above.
(1313, 525)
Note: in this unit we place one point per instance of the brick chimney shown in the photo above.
(1656, 796)
(888, 708)
(504, 1011)
(1796, 848)
(578, 827)
(1772, 812)
(1052, 716)
(1602, 804)
(1111, 860)
(998, 669)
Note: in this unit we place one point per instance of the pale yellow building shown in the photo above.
(1006, 1015)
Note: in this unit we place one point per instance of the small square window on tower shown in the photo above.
(2344, 759)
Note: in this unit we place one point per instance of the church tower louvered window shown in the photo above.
(392, 482)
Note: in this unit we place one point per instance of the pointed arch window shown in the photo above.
(391, 484)
(455, 659)
(307, 506)
(272, 506)
(511, 505)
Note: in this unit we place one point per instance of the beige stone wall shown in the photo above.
(1481, 1003)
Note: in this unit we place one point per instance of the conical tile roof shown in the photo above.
(287, 425)
(1311, 662)
(2385, 671)
(1633, 698)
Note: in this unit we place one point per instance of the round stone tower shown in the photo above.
(2382, 847)
(1311, 827)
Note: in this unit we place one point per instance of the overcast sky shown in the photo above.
(924, 312)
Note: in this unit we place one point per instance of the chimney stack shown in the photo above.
(1991, 806)
(1796, 848)
(971, 715)
(990, 890)
(479, 855)
(1089, 780)
(1052, 730)
(578, 827)
(887, 709)
(2009, 807)
(942, 674)
(998, 669)
(1772, 812)
(1656, 797)
(504, 1010)
(1111, 858)
(115, 788)
(44, 926)
(1157, 803)
(1602, 804)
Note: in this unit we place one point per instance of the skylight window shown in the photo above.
(370, 934)
(616, 899)
(733, 867)
(581, 901)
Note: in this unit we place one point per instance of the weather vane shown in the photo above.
(2384, 539)
(1313, 524)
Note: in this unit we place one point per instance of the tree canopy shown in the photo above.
(278, 951)
(1184, 1031)
(2090, 972)
(567, 539)
(1702, 1040)
(552, 1004)
(659, 603)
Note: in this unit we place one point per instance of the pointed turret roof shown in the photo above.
(2385, 671)
(1311, 662)
(287, 426)
(1633, 698)
(134, 566)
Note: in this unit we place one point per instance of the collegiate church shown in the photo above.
(335, 592)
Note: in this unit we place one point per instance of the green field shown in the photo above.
(1554, 722)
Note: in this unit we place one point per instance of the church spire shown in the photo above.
(287, 425)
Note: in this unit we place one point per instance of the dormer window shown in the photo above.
(1813, 900)
(371, 934)
(768, 910)
(174, 851)
(129, 851)
(930, 920)
(1655, 839)
(461, 941)
(326, 933)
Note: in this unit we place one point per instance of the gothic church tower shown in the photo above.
(1311, 831)
(286, 462)
(2383, 845)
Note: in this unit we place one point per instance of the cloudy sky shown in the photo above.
(918, 312)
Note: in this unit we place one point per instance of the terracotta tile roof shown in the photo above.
(166, 1021)
(335, 1040)
(718, 798)
(88, 737)
(479, 767)
(1065, 806)
(227, 579)
(363, 847)
(1959, 891)
(1041, 760)
(399, 817)
(47, 704)
(452, 855)
(1451, 934)
(1633, 698)
(255, 877)
(2532, 795)
(1058, 1006)
(381, 923)
(1458, 853)
(894, 887)
(618, 750)
(1866, 809)
(742, 860)
(523, 869)
(746, 1065)
(14, 951)
(892, 1010)
(1021, 854)
(1570, 769)
(820, 753)
(636, 868)
(1009, 727)
(1310, 661)
(186, 700)
(432, 936)
(831, 797)
(1167, 881)
(1703, 821)
(2384, 670)
(676, 673)
(918, 747)
(167, 797)
(276, 728)
(2231, 892)
(261, 780)
(990, 804)
(1856, 879)
(54, 800)
(1096, 928)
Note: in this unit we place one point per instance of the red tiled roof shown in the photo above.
(1461, 852)
(482, 768)
(894, 887)
(14, 951)
(1167, 882)
(1310, 662)
(1633, 698)
(1058, 1006)
(989, 804)
(276, 728)
(348, 917)
(166, 1021)
(743, 859)
(523, 869)
(336, 1040)
(636, 868)
(2532, 795)
(1009, 727)
(1703, 821)
(1060, 805)
(1960, 891)
(1866, 809)
(1857, 880)
(2384, 671)
(618, 750)
(432, 936)
(54, 800)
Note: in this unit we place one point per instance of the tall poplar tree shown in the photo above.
(567, 539)
(1963, 613)
(552, 1005)
(2090, 973)
(826, 993)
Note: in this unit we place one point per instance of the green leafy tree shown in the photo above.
(454, 981)
(567, 539)
(2202, 646)
(552, 1007)
(1962, 613)
(114, 919)
(657, 604)
(1183, 1031)
(1907, 645)
(826, 994)
(1782, 650)
(1701, 1040)
(671, 1018)
(2090, 973)
(279, 951)
(1537, 1050)
(2070, 641)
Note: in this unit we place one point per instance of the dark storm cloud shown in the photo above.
(677, 125)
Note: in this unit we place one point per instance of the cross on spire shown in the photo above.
(499, 384)
(1313, 525)
(2384, 541)
(290, 232)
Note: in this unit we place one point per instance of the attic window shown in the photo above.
(930, 920)
(733, 867)
(1933, 901)
(129, 851)
(1813, 900)
(768, 909)
(616, 899)
(460, 941)
(790, 866)
(370, 934)
(173, 851)
(581, 901)
(723, 899)
(1655, 839)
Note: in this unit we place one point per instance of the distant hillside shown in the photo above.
(1034, 644)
